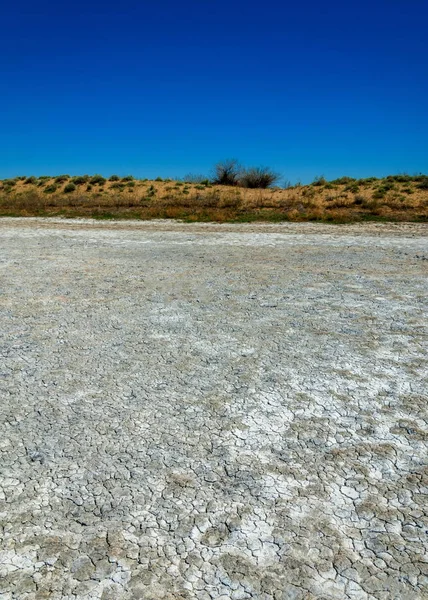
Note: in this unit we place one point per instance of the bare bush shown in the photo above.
(227, 172)
(258, 177)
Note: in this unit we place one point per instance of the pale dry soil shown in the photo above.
(213, 411)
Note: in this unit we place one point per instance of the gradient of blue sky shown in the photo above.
(165, 88)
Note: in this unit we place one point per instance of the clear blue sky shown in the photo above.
(170, 87)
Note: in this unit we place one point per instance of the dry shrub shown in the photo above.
(373, 206)
(309, 192)
(29, 201)
(341, 201)
(288, 200)
(227, 172)
(231, 200)
(305, 203)
(258, 177)
(261, 199)
(208, 200)
(175, 201)
(295, 214)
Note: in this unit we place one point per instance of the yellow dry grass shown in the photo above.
(386, 199)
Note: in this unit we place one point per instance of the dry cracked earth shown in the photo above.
(213, 411)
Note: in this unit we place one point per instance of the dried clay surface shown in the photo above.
(213, 412)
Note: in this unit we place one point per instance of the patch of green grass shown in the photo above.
(103, 216)
(119, 216)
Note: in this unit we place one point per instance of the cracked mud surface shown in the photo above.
(213, 412)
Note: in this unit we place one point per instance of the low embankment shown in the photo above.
(394, 198)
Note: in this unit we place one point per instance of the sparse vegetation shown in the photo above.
(401, 197)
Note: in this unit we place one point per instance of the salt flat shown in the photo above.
(213, 411)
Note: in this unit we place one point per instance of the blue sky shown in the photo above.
(165, 88)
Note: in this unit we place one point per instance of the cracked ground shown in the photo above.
(213, 411)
